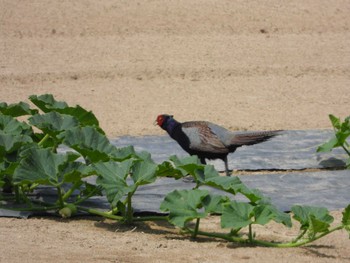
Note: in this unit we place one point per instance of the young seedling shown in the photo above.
(341, 134)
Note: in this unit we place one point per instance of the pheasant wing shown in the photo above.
(202, 138)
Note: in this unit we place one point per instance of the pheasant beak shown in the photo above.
(158, 120)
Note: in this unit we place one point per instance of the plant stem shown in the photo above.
(195, 232)
(113, 211)
(300, 236)
(346, 150)
(43, 140)
(120, 218)
(224, 236)
(39, 208)
(250, 234)
(296, 244)
(33, 186)
(17, 194)
(129, 209)
(71, 190)
(230, 238)
(100, 213)
(86, 197)
(60, 197)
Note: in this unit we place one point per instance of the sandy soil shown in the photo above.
(241, 64)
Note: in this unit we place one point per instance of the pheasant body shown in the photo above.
(208, 140)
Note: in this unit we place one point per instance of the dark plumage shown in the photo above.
(208, 140)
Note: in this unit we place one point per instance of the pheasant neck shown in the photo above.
(171, 125)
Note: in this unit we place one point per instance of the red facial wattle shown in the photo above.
(160, 120)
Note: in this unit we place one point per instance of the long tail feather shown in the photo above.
(250, 138)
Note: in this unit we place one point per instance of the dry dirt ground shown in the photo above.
(241, 64)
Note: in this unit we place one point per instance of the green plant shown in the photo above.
(185, 206)
(341, 134)
(30, 157)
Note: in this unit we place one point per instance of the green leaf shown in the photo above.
(236, 215)
(11, 143)
(214, 203)
(184, 206)
(120, 154)
(144, 156)
(315, 219)
(75, 171)
(345, 126)
(225, 183)
(192, 159)
(188, 166)
(346, 219)
(93, 145)
(316, 226)
(40, 166)
(112, 178)
(233, 185)
(264, 213)
(167, 169)
(47, 103)
(113, 169)
(16, 109)
(10, 125)
(144, 172)
(328, 146)
(53, 123)
(335, 121)
(90, 189)
(8, 168)
(342, 133)
(203, 175)
(342, 136)
(85, 118)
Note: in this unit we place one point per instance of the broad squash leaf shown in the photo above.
(12, 143)
(167, 169)
(189, 165)
(144, 172)
(10, 125)
(40, 166)
(184, 206)
(93, 145)
(316, 226)
(234, 185)
(236, 215)
(75, 171)
(47, 103)
(53, 123)
(264, 213)
(112, 178)
(313, 219)
(213, 204)
(16, 109)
